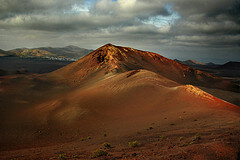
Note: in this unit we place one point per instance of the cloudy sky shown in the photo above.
(204, 30)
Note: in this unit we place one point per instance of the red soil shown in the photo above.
(126, 94)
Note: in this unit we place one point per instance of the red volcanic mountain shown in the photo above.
(110, 60)
(118, 95)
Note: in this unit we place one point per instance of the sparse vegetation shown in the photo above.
(75, 156)
(163, 137)
(191, 142)
(107, 145)
(61, 156)
(196, 137)
(150, 128)
(185, 144)
(133, 144)
(99, 153)
(181, 138)
(229, 132)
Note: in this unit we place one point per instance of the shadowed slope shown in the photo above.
(137, 93)
(110, 59)
(120, 101)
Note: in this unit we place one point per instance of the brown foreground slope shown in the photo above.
(112, 100)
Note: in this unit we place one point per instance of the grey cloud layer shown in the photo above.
(11, 8)
(203, 23)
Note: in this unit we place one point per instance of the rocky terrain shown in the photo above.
(118, 103)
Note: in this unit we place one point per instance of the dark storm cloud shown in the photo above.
(11, 8)
(218, 14)
(207, 23)
(230, 12)
(143, 24)
(52, 17)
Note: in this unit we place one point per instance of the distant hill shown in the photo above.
(231, 65)
(211, 64)
(63, 53)
(194, 63)
(68, 51)
(21, 52)
(2, 53)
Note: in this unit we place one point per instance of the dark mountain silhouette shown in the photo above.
(195, 63)
(191, 62)
(231, 65)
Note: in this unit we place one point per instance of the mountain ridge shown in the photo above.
(68, 52)
(231, 65)
(111, 59)
(195, 63)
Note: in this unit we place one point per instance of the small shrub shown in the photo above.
(191, 143)
(133, 144)
(229, 132)
(107, 145)
(150, 128)
(181, 138)
(196, 137)
(61, 156)
(81, 139)
(172, 124)
(99, 153)
(185, 144)
(163, 137)
(138, 132)
(105, 135)
(89, 137)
